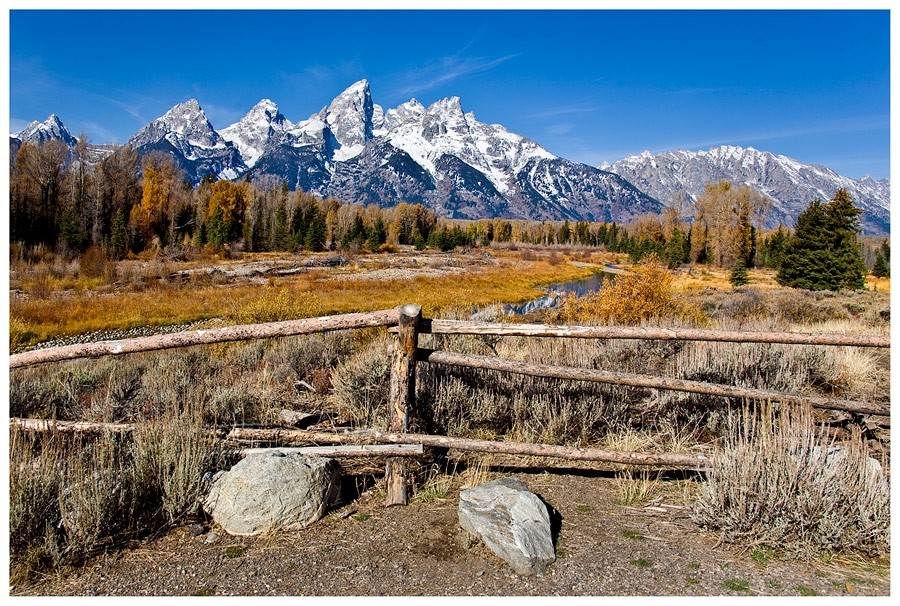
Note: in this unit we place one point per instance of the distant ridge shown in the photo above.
(443, 158)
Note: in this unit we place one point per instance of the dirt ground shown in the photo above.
(364, 549)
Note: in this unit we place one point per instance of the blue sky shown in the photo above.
(591, 86)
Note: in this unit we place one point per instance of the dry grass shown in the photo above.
(155, 478)
(777, 482)
(72, 498)
(165, 302)
(878, 284)
(707, 276)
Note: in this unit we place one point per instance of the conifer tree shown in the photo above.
(739, 276)
(823, 253)
(882, 267)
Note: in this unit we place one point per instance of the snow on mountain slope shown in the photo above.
(50, 129)
(254, 132)
(441, 156)
(186, 133)
(790, 184)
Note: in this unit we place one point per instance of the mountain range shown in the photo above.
(443, 158)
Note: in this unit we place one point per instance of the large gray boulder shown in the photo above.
(269, 491)
(512, 521)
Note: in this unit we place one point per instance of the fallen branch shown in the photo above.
(82, 427)
(346, 450)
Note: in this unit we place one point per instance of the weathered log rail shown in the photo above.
(637, 380)
(408, 323)
(464, 327)
(206, 336)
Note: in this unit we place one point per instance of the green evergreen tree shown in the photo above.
(316, 231)
(772, 249)
(823, 253)
(118, 237)
(564, 233)
(739, 276)
(843, 218)
(280, 234)
(882, 267)
(377, 235)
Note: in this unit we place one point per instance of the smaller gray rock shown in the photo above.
(512, 521)
(272, 490)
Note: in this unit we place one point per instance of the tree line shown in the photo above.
(69, 200)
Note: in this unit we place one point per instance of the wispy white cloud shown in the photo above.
(99, 133)
(559, 129)
(129, 108)
(442, 71)
(568, 110)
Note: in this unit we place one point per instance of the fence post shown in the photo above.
(402, 394)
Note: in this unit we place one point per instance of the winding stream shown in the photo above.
(554, 292)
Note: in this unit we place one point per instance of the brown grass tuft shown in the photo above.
(776, 482)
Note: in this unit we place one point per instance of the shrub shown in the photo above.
(361, 385)
(73, 497)
(95, 263)
(776, 483)
(171, 458)
(277, 305)
(20, 333)
(643, 294)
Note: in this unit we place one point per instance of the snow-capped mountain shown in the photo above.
(49, 130)
(790, 184)
(254, 132)
(185, 132)
(439, 156)
(442, 157)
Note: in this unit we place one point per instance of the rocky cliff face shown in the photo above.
(790, 184)
(444, 158)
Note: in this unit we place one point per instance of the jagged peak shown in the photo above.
(266, 103)
(190, 104)
(51, 128)
(359, 85)
(452, 103)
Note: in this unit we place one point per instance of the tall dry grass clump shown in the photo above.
(71, 498)
(644, 293)
(361, 384)
(277, 305)
(777, 482)
(171, 459)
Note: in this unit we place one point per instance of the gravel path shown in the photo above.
(603, 548)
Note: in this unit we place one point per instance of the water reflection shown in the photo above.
(554, 292)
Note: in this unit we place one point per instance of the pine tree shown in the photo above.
(843, 219)
(118, 237)
(280, 235)
(316, 231)
(882, 267)
(823, 253)
(739, 276)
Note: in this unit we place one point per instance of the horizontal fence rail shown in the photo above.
(636, 380)
(407, 323)
(463, 327)
(206, 336)
(300, 436)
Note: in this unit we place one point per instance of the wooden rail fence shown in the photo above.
(407, 324)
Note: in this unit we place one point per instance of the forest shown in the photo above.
(70, 201)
